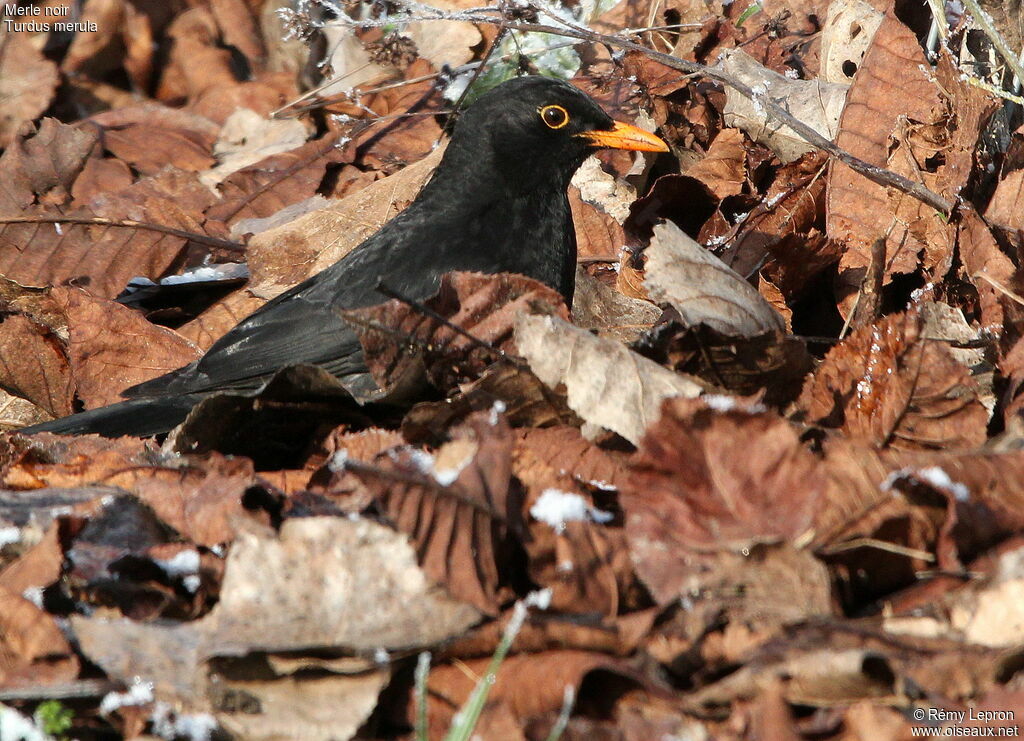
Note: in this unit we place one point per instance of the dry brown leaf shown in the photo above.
(689, 494)
(219, 317)
(607, 384)
(846, 36)
(703, 289)
(584, 562)
(265, 187)
(399, 139)
(531, 684)
(615, 316)
(988, 268)
(933, 122)
(455, 506)
(39, 167)
(112, 347)
(200, 498)
(724, 168)
(64, 462)
(816, 103)
(34, 365)
(323, 584)
(33, 651)
(890, 386)
(27, 83)
(566, 451)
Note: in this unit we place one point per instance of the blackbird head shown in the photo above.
(533, 133)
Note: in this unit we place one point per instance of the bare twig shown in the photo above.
(225, 244)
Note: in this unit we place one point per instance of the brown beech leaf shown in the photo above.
(199, 498)
(566, 451)
(112, 347)
(45, 460)
(770, 364)
(689, 494)
(526, 400)
(454, 505)
(34, 651)
(613, 315)
(988, 268)
(485, 306)
(34, 365)
(891, 386)
(321, 588)
(598, 235)
(40, 166)
(530, 684)
(933, 122)
(724, 167)
(267, 186)
(149, 148)
(606, 383)
(219, 317)
(27, 83)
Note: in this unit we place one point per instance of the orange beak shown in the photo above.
(625, 136)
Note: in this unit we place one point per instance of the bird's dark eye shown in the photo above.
(554, 116)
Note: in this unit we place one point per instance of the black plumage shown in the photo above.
(496, 203)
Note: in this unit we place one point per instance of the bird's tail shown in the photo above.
(138, 417)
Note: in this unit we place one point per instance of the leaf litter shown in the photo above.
(766, 468)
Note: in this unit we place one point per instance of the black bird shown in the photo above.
(496, 203)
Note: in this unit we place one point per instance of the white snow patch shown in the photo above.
(338, 461)
(180, 564)
(934, 476)
(140, 693)
(223, 271)
(724, 403)
(170, 725)
(556, 508)
(9, 536)
(541, 599)
(17, 727)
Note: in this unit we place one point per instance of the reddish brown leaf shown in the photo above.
(34, 365)
(39, 167)
(200, 499)
(33, 651)
(280, 180)
(689, 496)
(27, 83)
(455, 506)
(888, 385)
(112, 347)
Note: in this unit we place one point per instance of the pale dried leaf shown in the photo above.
(703, 289)
(607, 384)
(814, 102)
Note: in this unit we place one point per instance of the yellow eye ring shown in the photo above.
(554, 116)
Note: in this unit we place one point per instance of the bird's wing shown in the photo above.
(302, 325)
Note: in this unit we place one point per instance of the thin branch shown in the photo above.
(875, 174)
(225, 244)
(982, 19)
